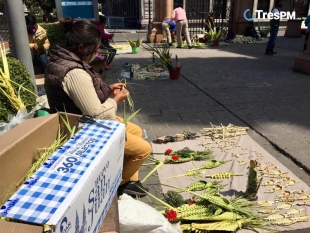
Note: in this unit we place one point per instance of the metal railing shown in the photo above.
(115, 22)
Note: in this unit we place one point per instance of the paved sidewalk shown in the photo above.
(235, 84)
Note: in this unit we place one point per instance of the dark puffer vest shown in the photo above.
(61, 62)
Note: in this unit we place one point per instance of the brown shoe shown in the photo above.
(274, 52)
(269, 53)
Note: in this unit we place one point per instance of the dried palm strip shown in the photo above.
(151, 172)
(275, 188)
(283, 222)
(223, 175)
(303, 203)
(223, 132)
(304, 218)
(211, 164)
(231, 226)
(274, 217)
(201, 185)
(285, 206)
(270, 182)
(226, 216)
(267, 211)
(265, 203)
(294, 211)
(188, 173)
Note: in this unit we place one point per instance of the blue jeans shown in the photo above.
(42, 60)
(272, 39)
(305, 45)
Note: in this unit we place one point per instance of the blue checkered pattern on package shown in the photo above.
(40, 196)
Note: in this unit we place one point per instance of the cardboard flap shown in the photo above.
(18, 146)
(12, 227)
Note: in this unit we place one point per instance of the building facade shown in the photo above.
(138, 14)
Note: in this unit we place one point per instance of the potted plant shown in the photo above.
(216, 36)
(213, 35)
(164, 56)
(134, 44)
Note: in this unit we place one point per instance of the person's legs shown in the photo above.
(179, 31)
(185, 33)
(111, 55)
(168, 34)
(275, 37)
(42, 59)
(136, 152)
(305, 45)
(272, 39)
(169, 37)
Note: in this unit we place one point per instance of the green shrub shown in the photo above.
(18, 74)
(54, 33)
(263, 30)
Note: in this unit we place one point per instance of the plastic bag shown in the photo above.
(138, 217)
(22, 115)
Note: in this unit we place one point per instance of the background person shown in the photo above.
(35, 34)
(274, 28)
(169, 29)
(72, 85)
(46, 17)
(179, 16)
(307, 23)
(105, 41)
(250, 31)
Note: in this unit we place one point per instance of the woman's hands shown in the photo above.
(36, 48)
(119, 91)
(116, 86)
(121, 95)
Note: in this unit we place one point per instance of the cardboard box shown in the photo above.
(73, 190)
(40, 84)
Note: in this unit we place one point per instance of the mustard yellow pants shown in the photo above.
(136, 152)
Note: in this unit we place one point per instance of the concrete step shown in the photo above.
(111, 221)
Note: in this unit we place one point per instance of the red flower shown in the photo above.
(168, 152)
(191, 202)
(178, 65)
(171, 215)
(175, 157)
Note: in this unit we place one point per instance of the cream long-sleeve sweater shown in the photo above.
(79, 86)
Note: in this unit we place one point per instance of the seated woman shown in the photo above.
(105, 38)
(250, 31)
(72, 85)
(35, 34)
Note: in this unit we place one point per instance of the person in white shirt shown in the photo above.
(274, 28)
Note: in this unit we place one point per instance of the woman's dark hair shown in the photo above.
(80, 32)
(102, 19)
(278, 1)
(30, 19)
